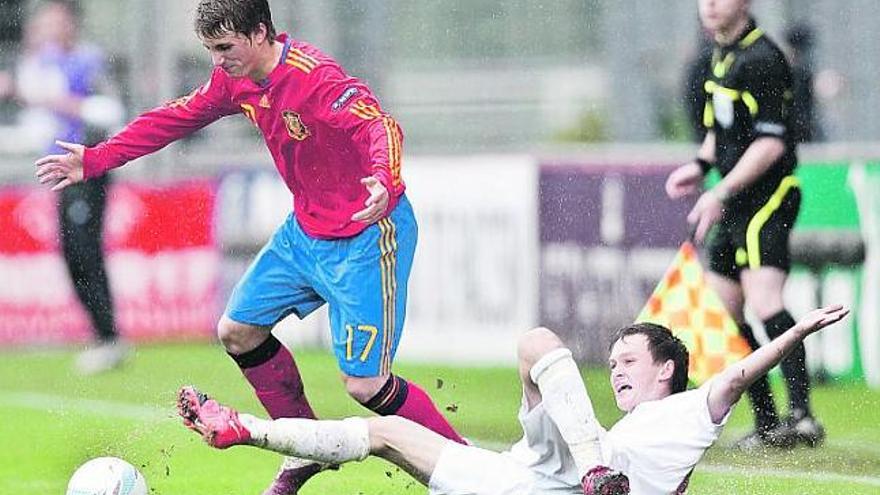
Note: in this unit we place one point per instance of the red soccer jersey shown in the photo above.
(324, 129)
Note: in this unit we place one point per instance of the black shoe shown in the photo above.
(780, 437)
(804, 428)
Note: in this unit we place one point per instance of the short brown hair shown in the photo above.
(215, 18)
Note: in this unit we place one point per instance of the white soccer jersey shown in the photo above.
(656, 446)
(659, 442)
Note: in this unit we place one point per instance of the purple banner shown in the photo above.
(608, 232)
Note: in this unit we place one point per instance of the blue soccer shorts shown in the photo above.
(363, 279)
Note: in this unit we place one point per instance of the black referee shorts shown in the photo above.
(749, 238)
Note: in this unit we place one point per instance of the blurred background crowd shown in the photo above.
(568, 99)
(481, 75)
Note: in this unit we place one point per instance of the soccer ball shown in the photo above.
(107, 476)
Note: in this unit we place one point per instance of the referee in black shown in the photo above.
(754, 206)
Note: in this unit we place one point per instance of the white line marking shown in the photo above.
(819, 476)
(864, 447)
(51, 402)
(59, 403)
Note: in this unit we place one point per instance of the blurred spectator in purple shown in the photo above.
(64, 92)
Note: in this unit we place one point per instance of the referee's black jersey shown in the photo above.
(749, 96)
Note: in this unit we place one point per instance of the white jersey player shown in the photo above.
(651, 450)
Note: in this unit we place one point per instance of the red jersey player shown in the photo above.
(350, 240)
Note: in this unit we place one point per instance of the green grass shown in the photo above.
(51, 420)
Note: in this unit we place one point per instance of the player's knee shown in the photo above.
(763, 289)
(239, 338)
(362, 389)
(535, 343)
(766, 304)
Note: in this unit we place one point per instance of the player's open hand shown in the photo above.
(375, 204)
(705, 214)
(684, 180)
(820, 318)
(60, 171)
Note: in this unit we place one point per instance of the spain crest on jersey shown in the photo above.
(295, 126)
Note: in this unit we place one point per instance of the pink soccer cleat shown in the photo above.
(602, 480)
(218, 425)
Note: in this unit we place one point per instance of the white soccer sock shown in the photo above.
(566, 401)
(331, 442)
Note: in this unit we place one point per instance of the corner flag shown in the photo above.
(686, 305)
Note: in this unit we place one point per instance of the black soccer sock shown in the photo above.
(794, 366)
(759, 392)
(390, 397)
(272, 371)
(259, 355)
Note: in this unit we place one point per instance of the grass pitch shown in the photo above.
(52, 420)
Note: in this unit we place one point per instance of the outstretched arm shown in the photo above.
(733, 381)
(149, 132)
(156, 128)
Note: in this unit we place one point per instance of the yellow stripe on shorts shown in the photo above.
(753, 231)
(388, 264)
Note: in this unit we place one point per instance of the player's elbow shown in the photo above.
(726, 391)
(771, 146)
(732, 383)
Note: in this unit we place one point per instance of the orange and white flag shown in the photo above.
(684, 303)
